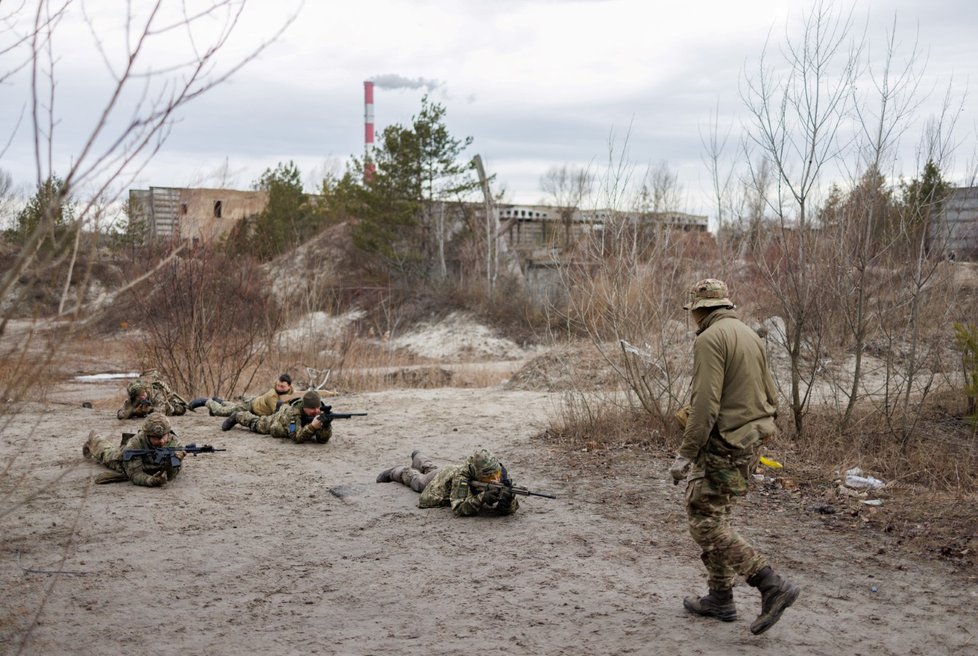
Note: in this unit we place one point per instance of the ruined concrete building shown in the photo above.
(955, 232)
(197, 215)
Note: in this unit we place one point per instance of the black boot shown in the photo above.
(718, 604)
(776, 595)
(196, 403)
(392, 474)
(229, 423)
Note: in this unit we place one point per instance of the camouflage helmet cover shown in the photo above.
(311, 399)
(135, 388)
(708, 293)
(156, 425)
(483, 464)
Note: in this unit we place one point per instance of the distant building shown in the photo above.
(528, 227)
(540, 234)
(954, 233)
(198, 215)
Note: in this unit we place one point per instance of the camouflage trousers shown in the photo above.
(709, 503)
(104, 451)
(418, 475)
(254, 423)
(227, 408)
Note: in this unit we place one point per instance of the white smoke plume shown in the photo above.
(394, 81)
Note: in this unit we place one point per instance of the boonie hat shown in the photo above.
(709, 292)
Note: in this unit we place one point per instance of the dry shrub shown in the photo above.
(598, 421)
(574, 365)
(941, 455)
(208, 322)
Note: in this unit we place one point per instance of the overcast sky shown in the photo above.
(536, 83)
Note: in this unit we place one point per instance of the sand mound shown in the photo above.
(455, 337)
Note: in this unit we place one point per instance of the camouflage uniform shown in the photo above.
(731, 413)
(289, 422)
(450, 486)
(263, 405)
(140, 470)
(732, 410)
(159, 397)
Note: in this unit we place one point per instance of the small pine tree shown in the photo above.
(51, 210)
(966, 336)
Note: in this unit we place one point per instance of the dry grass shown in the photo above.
(603, 421)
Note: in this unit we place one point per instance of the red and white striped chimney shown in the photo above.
(368, 117)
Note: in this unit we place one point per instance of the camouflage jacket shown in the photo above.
(733, 395)
(140, 469)
(160, 398)
(450, 487)
(291, 423)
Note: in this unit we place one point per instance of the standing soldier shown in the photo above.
(732, 409)
(263, 405)
(299, 421)
(453, 487)
(141, 470)
(150, 393)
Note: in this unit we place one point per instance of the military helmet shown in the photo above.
(708, 293)
(484, 465)
(156, 425)
(311, 399)
(135, 388)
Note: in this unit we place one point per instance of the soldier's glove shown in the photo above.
(679, 469)
(682, 416)
(157, 480)
(491, 495)
(506, 498)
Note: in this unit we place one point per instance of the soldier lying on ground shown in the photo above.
(263, 405)
(141, 470)
(299, 420)
(452, 486)
(150, 393)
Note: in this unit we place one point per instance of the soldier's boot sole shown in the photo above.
(87, 446)
(229, 423)
(773, 605)
(708, 607)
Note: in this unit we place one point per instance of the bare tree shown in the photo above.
(860, 234)
(797, 107)
(163, 56)
(567, 187)
(137, 111)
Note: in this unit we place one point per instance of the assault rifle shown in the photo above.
(522, 491)
(161, 454)
(327, 414)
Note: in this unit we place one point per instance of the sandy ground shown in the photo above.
(275, 548)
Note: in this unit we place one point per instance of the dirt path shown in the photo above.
(275, 548)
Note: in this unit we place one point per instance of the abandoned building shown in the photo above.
(196, 215)
(954, 234)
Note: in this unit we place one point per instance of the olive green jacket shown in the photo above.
(267, 403)
(732, 388)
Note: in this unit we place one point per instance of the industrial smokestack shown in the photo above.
(368, 118)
